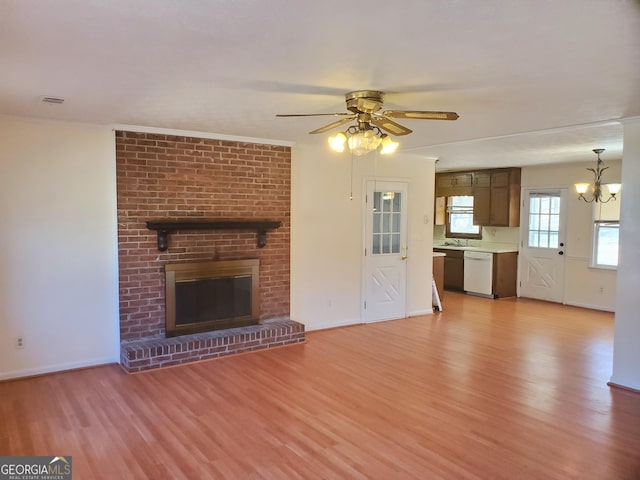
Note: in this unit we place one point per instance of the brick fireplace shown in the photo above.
(165, 177)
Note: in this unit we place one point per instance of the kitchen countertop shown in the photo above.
(488, 247)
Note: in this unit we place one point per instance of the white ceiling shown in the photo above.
(534, 81)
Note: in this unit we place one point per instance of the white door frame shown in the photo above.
(389, 184)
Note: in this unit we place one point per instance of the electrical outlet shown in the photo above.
(19, 342)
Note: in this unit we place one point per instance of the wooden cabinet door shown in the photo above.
(453, 184)
(499, 216)
(505, 198)
(463, 180)
(481, 198)
(444, 184)
(505, 274)
(454, 270)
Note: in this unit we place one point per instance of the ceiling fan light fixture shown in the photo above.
(388, 146)
(363, 141)
(337, 142)
(364, 106)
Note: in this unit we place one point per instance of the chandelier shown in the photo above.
(595, 189)
(362, 139)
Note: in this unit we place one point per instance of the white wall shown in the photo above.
(58, 248)
(327, 233)
(584, 286)
(626, 349)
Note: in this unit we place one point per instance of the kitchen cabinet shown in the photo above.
(453, 269)
(454, 184)
(505, 198)
(496, 195)
(481, 198)
(505, 274)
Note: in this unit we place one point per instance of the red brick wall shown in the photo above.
(171, 177)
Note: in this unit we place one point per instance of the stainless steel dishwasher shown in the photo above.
(478, 273)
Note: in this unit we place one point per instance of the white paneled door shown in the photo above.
(542, 259)
(385, 251)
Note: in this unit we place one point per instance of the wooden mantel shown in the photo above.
(164, 227)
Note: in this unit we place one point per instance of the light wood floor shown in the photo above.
(507, 389)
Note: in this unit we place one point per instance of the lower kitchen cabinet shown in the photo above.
(453, 269)
(505, 274)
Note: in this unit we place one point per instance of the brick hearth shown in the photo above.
(147, 354)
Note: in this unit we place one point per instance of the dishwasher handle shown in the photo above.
(477, 255)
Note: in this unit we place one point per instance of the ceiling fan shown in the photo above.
(364, 107)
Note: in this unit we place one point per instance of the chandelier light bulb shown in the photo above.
(614, 188)
(581, 188)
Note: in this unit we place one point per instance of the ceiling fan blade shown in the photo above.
(314, 114)
(420, 115)
(390, 126)
(326, 128)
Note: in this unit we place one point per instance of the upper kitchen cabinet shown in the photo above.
(454, 184)
(481, 198)
(496, 195)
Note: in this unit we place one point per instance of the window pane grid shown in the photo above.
(460, 209)
(386, 223)
(606, 236)
(544, 221)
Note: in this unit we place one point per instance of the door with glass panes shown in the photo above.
(385, 252)
(542, 253)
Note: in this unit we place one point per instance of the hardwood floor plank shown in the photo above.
(502, 389)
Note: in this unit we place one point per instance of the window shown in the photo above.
(460, 218)
(386, 222)
(544, 220)
(606, 230)
(605, 243)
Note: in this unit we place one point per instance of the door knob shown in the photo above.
(560, 252)
(404, 257)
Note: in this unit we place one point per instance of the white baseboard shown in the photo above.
(357, 321)
(30, 372)
(325, 325)
(592, 307)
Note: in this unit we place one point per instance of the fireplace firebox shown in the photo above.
(212, 295)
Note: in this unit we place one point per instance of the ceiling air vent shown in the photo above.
(54, 100)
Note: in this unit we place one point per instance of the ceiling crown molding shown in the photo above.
(196, 134)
